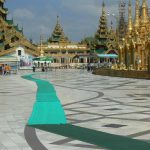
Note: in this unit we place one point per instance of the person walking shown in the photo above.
(88, 67)
(9, 69)
(43, 69)
(33, 68)
(2, 69)
(5, 69)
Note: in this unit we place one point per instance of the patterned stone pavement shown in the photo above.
(114, 105)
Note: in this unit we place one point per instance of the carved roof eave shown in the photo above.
(111, 50)
(2, 1)
(4, 11)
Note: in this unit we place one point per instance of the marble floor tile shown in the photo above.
(114, 105)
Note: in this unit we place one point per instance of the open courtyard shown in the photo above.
(119, 106)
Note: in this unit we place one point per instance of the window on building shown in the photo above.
(81, 60)
(62, 60)
(19, 52)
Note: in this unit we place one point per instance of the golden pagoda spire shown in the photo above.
(130, 17)
(103, 7)
(144, 17)
(41, 46)
(58, 20)
(102, 32)
(137, 13)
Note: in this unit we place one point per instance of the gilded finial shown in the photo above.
(103, 4)
(137, 12)
(41, 46)
(111, 25)
(103, 7)
(57, 19)
(144, 17)
(22, 29)
(130, 17)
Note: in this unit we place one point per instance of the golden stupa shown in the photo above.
(134, 50)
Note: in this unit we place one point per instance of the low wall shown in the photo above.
(123, 73)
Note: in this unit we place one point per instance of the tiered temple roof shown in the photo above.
(11, 36)
(102, 32)
(3, 10)
(58, 35)
(105, 38)
(112, 42)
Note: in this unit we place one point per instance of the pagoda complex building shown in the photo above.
(12, 39)
(63, 50)
(134, 50)
(106, 41)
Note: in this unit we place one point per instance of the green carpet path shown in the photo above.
(48, 115)
(47, 108)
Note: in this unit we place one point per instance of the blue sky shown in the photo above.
(79, 18)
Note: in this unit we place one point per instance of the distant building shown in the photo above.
(13, 41)
(63, 50)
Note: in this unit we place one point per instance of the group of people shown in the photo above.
(43, 68)
(5, 69)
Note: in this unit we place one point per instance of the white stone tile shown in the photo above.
(16, 107)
